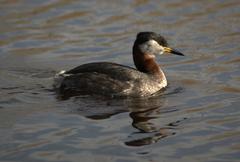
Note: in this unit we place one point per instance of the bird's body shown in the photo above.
(111, 79)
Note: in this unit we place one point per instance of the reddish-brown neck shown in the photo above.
(145, 62)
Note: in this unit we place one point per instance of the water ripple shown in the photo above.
(195, 119)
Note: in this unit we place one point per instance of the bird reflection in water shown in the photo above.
(149, 115)
(146, 115)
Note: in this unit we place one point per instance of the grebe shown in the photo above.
(112, 79)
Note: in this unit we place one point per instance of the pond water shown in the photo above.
(197, 118)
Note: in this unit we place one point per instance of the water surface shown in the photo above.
(195, 119)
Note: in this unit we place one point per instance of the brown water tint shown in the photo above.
(195, 119)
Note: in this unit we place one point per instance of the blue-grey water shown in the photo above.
(197, 118)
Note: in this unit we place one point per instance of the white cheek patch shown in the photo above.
(151, 47)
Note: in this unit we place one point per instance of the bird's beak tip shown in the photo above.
(173, 51)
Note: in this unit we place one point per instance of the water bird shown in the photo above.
(112, 79)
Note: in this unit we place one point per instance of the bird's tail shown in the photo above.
(58, 79)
